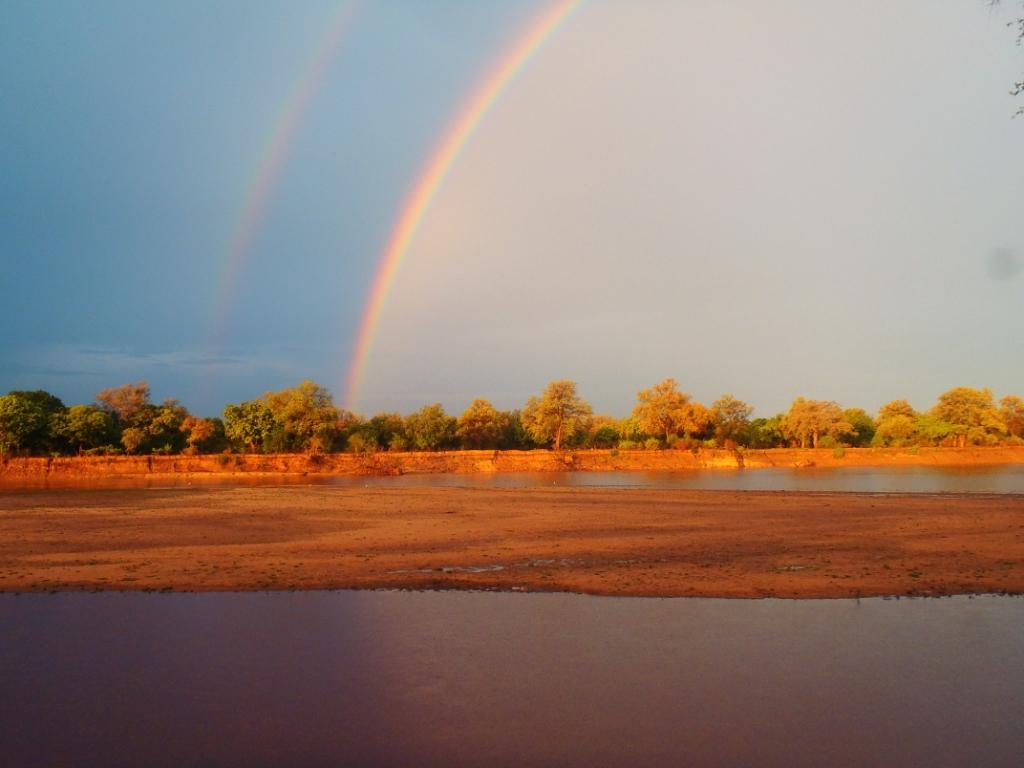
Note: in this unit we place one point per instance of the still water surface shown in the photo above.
(1006, 478)
(978, 479)
(486, 679)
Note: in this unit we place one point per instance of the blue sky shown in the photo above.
(812, 198)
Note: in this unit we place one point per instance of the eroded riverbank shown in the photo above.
(589, 540)
(71, 471)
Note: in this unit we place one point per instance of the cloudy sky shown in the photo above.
(769, 199)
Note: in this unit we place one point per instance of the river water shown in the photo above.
(975, 479)
(1005, 478)
(487, 679)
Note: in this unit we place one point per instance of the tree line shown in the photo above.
(304, 419)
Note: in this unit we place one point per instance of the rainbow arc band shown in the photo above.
(434, 171)
(274, 160)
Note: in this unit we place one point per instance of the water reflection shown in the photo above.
(974, 479)
(449, 679)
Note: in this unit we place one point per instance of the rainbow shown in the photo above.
(273, 161)
(434, 171)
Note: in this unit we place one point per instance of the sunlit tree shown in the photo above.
(897, 424)
(430, 428)
(125, 402)
(972, 413)
(930, 429)
(480, 425)
(1011, 409)
(664, 410)
(304, 415)
(162, 425)
(30, 421)
(896, 430)
(197, 430)
(731, 418)
(896, 408)
(132, 439)
(811, 419)
(249, 424)
(557, 415)
(603, 432)
(86, 426)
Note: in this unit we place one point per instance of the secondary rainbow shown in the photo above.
(433, 173)
(273, 161)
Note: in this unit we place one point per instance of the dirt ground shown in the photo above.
(598, 541)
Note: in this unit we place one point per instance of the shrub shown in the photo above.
(223, 459)
(828, 441)
(627, 445)
(839, 451)
(359, 442)
(605, 437)
(613, 452)
(652, 444)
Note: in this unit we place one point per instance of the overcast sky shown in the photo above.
(771, 199)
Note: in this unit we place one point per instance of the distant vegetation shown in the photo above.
(304, 419)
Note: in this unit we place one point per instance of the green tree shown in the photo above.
(17, 423)
(897, 424)
(86, 426)
(305, 415)
(162, 426)
(603, 432)
(631, 431)
(361, 441)
(514, 435)
(731, 419)
(863, 428)
(388, 431)
(480, 426)
(767, 433)
(132, 438)
(896, 430)
(249, 424)
(430, 428)
(810, 419)
(30, 421)
(929, 428)
(972, 414)
(557, 415)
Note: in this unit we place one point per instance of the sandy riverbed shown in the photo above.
(600, 541)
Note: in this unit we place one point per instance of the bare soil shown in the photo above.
(599, 541)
